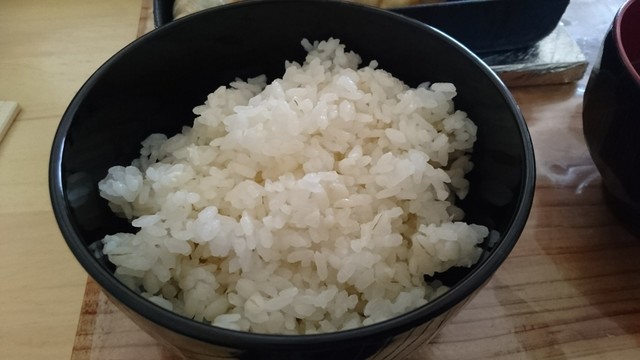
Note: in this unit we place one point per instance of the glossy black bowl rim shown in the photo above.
(244, 340)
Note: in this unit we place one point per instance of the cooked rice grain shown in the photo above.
(311, 204)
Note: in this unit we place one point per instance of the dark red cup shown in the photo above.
(611, 114)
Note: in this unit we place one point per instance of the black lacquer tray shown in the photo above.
(481, 25)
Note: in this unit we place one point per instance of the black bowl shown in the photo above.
(611, 110)
(153, 84)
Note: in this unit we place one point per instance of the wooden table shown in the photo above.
(569, 290)
(48, 49)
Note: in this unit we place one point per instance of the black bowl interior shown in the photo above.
(153, 84)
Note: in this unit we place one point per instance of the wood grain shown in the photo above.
(104, 332)
(48, 49)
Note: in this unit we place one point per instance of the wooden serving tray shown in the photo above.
(569, 290)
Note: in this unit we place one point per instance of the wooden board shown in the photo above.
(569, 290)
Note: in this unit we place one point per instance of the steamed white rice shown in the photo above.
(314, 203)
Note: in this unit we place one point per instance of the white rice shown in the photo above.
(312, 204)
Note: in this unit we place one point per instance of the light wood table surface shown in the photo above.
(569, 290)
(48, 48)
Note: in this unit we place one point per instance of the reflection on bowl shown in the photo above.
(152, 85)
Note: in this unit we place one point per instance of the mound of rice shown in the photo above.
(314, 203)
